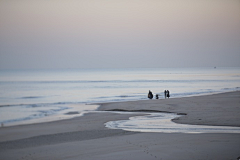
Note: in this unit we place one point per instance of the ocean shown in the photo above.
(33, 95)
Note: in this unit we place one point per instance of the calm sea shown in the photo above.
(33, 94)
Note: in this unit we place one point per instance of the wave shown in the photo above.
(119, 81)
(38, 114)
(41, 104)
(125, 96)
(32, 97)
(207, 91)
(187, 94)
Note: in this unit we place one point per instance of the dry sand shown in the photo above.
(87, 138)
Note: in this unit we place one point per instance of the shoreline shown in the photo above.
(72, 111)
(87, 138)
(201, 110)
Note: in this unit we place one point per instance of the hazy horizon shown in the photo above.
(119, 34)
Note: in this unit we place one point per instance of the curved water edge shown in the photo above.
(162, 123)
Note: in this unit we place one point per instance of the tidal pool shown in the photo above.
(162, 122)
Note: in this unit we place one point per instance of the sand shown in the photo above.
(87, 138)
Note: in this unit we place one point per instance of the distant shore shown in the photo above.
(87, 138)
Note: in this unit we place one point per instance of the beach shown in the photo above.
(87, 138)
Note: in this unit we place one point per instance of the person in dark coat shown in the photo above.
(165, 94)
(157, 96)
(168, 93)
(150, 95)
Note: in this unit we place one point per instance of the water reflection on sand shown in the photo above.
(162, 122)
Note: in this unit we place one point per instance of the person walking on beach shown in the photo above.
(150, 95)
(157, 96)
(165, 94)
(168, 93)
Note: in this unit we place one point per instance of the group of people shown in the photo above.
(166, 94)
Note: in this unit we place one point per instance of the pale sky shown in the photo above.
(119, 33)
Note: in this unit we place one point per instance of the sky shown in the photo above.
(51, 34)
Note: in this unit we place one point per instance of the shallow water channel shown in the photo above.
(162, 122)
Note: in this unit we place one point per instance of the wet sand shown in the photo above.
(87, 138)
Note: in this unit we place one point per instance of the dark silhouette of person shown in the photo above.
(157, 96)
(168, 93)
(150, 95)
(165, 94)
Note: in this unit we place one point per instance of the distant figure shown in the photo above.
(157, 96)
(168, 93)
(150, 95)
(165, 94)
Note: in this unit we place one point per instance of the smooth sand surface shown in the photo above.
(87, 138)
